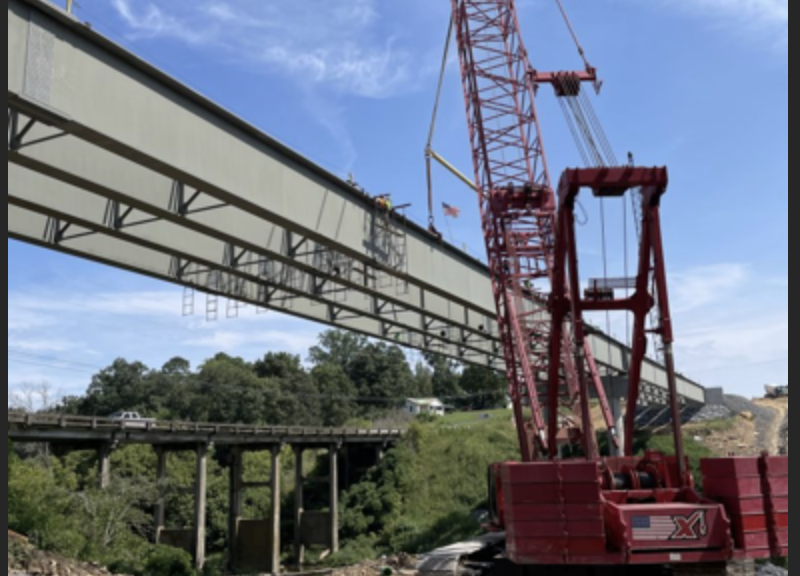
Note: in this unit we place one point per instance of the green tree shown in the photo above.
(299, 402)
(39, 507)
(338, 347)
(177, 367)
(446, 379)
(338, 393)
(423, 381)
(382, 377)
(108, 518)
(228, 390)
(121, 386)
(279, 366)
(486, 388)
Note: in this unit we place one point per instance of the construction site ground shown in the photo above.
(25, 560)
(741, 427)
(753, 427)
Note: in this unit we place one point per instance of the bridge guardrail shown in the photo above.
(51, 421)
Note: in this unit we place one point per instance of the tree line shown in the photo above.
(347, 379)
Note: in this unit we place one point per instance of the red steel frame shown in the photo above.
(518, 210)
(615, 182)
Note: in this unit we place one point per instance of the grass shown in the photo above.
(475, 418)
(712, 427)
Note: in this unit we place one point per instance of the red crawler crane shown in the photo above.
(518, 211)
(589, 512)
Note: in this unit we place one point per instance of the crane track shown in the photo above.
(470, 559)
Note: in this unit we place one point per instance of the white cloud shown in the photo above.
(769, 18)
(767, 11)
(63, 335)
(43, 345)
(23, 319)
(153, 22)
(731, 327)
(28, 311)
(700, 287)
(294, 342)
(314, 42)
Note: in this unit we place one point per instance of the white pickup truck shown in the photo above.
(131, 419)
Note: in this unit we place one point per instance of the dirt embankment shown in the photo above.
(777, 437)
(24, 560)
(750, 428)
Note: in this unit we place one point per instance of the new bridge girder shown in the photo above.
(127, 148)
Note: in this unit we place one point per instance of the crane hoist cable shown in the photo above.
(571, 28)
(430, 154)
(590, 138)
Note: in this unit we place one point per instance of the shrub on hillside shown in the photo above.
(165, 561)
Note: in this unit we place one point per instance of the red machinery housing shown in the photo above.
(643, 510)
(632, 510)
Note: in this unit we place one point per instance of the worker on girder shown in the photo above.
(384, 202)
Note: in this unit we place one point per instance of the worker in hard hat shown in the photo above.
(385, 202)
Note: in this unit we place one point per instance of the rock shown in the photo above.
(770, 570)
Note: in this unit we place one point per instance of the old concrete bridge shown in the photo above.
(254, 545)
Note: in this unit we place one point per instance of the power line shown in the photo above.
(80, 368)
(28, 356)
(50, 366)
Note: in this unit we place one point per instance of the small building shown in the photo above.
(429, 406)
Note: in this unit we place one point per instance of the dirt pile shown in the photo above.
(751, 427)
(24, 560)
(778, 435)
(402, 565)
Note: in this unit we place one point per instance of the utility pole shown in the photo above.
(70, 4)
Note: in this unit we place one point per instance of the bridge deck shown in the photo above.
(81, 430)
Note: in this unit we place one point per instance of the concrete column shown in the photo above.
(619, 418)
(334, 453)
(104, 466)
(345, 472)
(201, 490)
(235, 512)
(161, 504)
(299, 506)
(275, 484)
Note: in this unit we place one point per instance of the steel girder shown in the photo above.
(251, 185)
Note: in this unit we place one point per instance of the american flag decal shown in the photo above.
(670, 528)
(653, 528)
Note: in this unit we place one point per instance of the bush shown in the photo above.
(425, 492)
(165, 561)
(216, 565)
(355, 552)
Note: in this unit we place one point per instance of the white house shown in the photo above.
(430, 406)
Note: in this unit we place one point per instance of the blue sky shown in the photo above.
(698, 85)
